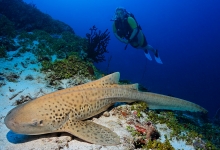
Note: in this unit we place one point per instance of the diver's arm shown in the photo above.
(134, 27)
(134, 32)
(117, 36)
(120, 39)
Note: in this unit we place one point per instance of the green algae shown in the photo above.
(49, 45)
(201, 135)
(139, 107)
(157, 145)
(67, 68)
(2, 51)
(187, 131)
(6, 26)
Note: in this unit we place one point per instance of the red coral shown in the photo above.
(91, 70)
(135, 113)
(148, 129)
(140, 129)
(124, 113)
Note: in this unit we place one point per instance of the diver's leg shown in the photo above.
(147, 54)
(148, 47)
(141, 44)
(155, 51)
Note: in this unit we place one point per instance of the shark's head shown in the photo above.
(29, 119)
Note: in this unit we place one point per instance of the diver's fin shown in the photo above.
(147, 54)
(157, 58)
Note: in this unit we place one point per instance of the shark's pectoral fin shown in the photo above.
(92, 132)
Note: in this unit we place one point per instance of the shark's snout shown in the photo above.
(10, 122)
(21, 120)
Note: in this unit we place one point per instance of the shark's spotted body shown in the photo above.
(66, 110)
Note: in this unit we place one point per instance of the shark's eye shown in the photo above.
(37, 123)
(41, 122)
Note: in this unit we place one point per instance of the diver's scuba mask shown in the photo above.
(119, 14)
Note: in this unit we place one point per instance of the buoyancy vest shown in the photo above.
(123, 28)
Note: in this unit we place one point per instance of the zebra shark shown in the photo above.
(68, 110)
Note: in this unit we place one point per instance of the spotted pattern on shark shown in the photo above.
(67, 110)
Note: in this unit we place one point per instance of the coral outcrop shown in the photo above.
(68, 68)
(27, 17)
(97, 44)
(6, 26)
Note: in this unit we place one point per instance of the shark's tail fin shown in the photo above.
(155, 101)
(158, 101)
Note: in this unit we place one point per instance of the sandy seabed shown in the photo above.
(21, 67)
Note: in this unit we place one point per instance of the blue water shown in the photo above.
(186, 33)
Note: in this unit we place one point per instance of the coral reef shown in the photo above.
(146, 125)
(97, 44)
(187, 127)
(22, 100)
(12, 77)
(29, 77)
(2, 51)
(67, 68)
(139, 107)
(144, 132)
(6, 26)
(6, 44)
(45, 45)
(2, 83)
(67, 49)
(27, 17)
(216, 118)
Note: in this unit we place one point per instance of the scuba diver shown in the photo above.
(127, 30)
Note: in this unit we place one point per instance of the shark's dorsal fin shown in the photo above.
(104, 82)
(107, 81)
(130, 86)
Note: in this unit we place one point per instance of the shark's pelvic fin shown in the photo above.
(91, 132)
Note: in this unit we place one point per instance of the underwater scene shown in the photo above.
(109, 75)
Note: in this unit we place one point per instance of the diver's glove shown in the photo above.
(129, 40)
(125, 41)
